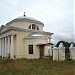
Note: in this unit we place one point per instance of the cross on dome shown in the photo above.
(24, 14)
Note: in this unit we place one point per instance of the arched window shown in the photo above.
(33, 26)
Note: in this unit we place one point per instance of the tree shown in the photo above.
(66, 45)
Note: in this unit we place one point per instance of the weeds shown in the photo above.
(36, 67)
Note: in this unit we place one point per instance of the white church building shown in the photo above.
(24, 37)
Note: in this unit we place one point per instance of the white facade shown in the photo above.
(18, 34)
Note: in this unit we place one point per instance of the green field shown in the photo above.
(36, 67)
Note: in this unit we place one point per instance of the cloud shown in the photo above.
(64, 37)
(57, 15)
(63, 29)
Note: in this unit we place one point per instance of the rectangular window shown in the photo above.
(30, 49)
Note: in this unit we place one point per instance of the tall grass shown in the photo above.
(36, 67)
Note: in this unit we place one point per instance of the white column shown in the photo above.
(0, 46)
(61, 52)
(12, 47)
(72, 52)
(50, 50)
(50, 47)
(55, 54)
(49, 40)
(5, 47)
(8, 47)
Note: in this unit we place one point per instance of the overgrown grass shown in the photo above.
(36, 67)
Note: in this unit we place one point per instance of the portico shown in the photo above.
(6, 46)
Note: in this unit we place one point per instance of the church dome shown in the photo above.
(25, 18)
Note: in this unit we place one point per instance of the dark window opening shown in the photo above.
(30, 27)
(37, 28)
(30, 49)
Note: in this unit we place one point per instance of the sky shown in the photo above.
(57, 15)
